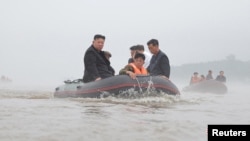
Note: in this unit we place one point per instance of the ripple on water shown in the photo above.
(25, 94)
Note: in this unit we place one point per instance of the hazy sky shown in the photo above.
(45, 40)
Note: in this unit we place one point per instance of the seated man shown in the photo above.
(209, 75)
(195, 78)
(135, 68)
(159, 63)
(221, 77)
(95, 63)
(202, 77)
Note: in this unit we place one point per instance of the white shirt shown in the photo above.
(147, 59)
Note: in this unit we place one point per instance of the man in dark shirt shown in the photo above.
(159, 63)
(221, 77)
(95, 63)
(209, 75)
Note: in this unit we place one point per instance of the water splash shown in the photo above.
(133, 98)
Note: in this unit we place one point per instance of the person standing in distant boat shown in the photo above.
(96, 66)
(159, 63)
(209, 75)
(221, 77)
(202, 78)
(195, 78)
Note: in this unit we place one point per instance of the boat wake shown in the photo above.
(132, 98)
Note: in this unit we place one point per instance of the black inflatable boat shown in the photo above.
(207, 86)
(115, 86)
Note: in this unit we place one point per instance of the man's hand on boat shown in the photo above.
(131, 74)
(99, 78)
(163, 76)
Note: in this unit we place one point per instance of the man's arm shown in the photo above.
(90, 64)
(164, 66)
(125, 69)
(128, 70)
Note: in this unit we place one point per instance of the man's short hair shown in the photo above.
(139, 47)
(138, 55)
(98, 36)
(132, 48)
(154, 42)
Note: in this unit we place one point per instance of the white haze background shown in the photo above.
(43, 41)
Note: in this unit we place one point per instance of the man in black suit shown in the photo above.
(159, 63)
(95, 63)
